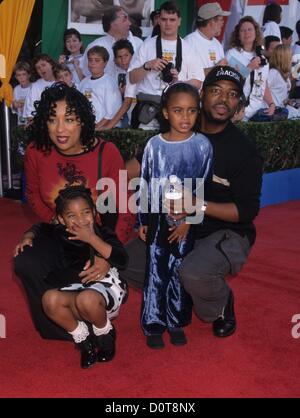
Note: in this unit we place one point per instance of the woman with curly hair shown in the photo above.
(64, 152)
(245, 49)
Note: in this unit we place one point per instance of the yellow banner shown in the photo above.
(14, 19)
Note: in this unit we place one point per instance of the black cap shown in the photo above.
(224, 73)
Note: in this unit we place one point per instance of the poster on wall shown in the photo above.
(86, 15)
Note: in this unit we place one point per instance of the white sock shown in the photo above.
(80, 333)
(104, 330)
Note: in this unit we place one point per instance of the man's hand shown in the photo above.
(175, 74)
(157, 64)
(96, 272)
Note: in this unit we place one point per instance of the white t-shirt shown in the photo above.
(259, 84)
(35, 94)
(20, 93)
(279, 87)
(104, 94)
(152, 83)
(130, 90)
(271, 29)
(209, 51)
(107, 42)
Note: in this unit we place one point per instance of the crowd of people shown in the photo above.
(76, 263)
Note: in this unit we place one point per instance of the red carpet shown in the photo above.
(261, 359)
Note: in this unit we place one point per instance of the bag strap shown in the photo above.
(102, 145)
(178, 59)
(251, 86)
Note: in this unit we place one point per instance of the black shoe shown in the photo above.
(177, 336)
(88, 353)
(106, 345)
(225, 325)
(155, 341)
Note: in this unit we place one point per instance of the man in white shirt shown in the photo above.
(209, 24)
(149, 62)
(116, 24)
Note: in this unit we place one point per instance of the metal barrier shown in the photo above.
(6, 142)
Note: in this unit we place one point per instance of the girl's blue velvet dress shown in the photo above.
(166, 305)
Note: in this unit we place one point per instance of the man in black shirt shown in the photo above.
(227, 233)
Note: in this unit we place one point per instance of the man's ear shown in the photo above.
(165, 113)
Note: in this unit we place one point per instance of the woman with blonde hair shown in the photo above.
(279, 81)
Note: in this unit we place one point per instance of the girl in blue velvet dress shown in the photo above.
(177, 150)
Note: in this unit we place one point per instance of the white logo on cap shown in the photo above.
(228, 73)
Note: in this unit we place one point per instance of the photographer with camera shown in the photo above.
(245, 50)
(160, 61)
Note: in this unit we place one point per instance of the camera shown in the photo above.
(122, 79)
(166, 74)
(258, 51)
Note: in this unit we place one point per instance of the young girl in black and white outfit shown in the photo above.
(75, 304)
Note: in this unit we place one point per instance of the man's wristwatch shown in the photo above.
(204, 206)
(145, 68)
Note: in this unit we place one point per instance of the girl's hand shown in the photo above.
(143, 232)
(20, 247)
(179, 232)
(62, 59)
(82, 232)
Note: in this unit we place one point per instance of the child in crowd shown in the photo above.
(83, 308)
(271, 19)
(179, 151)
(286, 36)
(22, 72)
(73, 53)
(44, 66)
(63, 73)
(123, 52)
(100, 88)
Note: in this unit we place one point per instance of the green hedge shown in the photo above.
(278, 142)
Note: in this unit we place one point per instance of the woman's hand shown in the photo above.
(179, 232)
(271, 109)
(143, 232)
(26, 240)
(82, 232)
(254, 63)
(96, 272)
